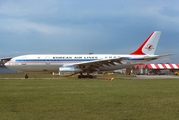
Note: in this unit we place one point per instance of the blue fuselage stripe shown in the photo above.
(53, 60)
(66, 60)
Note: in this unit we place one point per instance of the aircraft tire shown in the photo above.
(89, 76)
(84, 76)
(26, 76)
(79, 76)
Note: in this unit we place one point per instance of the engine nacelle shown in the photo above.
(68, 70)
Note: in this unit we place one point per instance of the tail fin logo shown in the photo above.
(149, 47)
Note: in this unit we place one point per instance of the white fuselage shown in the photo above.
(79, 63)
(52, 62)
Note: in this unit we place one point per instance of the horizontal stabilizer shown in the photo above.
(156, 57)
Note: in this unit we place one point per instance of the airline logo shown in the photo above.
(149, 47)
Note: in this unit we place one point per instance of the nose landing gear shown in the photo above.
(26, 76)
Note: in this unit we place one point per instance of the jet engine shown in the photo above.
(69, 70)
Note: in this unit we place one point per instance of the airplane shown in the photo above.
(70, 64)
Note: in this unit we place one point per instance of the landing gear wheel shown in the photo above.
(85, 76)
(79, 76)
(26, 76)
(90, 76)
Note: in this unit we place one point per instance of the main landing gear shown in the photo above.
(85, 76)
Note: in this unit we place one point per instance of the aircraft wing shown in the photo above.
(108, 62)
(156, 57)
(5, 59)
(98, 63)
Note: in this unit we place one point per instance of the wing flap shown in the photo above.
(98, 63)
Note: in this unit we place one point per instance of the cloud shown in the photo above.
(84, 26)
(28, 8)
(22, 26)
(170, 12)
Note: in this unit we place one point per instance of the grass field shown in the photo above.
(71, 98)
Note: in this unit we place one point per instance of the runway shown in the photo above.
(134, 77)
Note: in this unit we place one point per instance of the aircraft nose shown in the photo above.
(6, 64)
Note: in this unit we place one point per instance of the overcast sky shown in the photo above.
(84, 26)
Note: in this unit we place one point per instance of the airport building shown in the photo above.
(155, 69)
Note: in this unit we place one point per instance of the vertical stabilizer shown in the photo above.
(149, 46)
